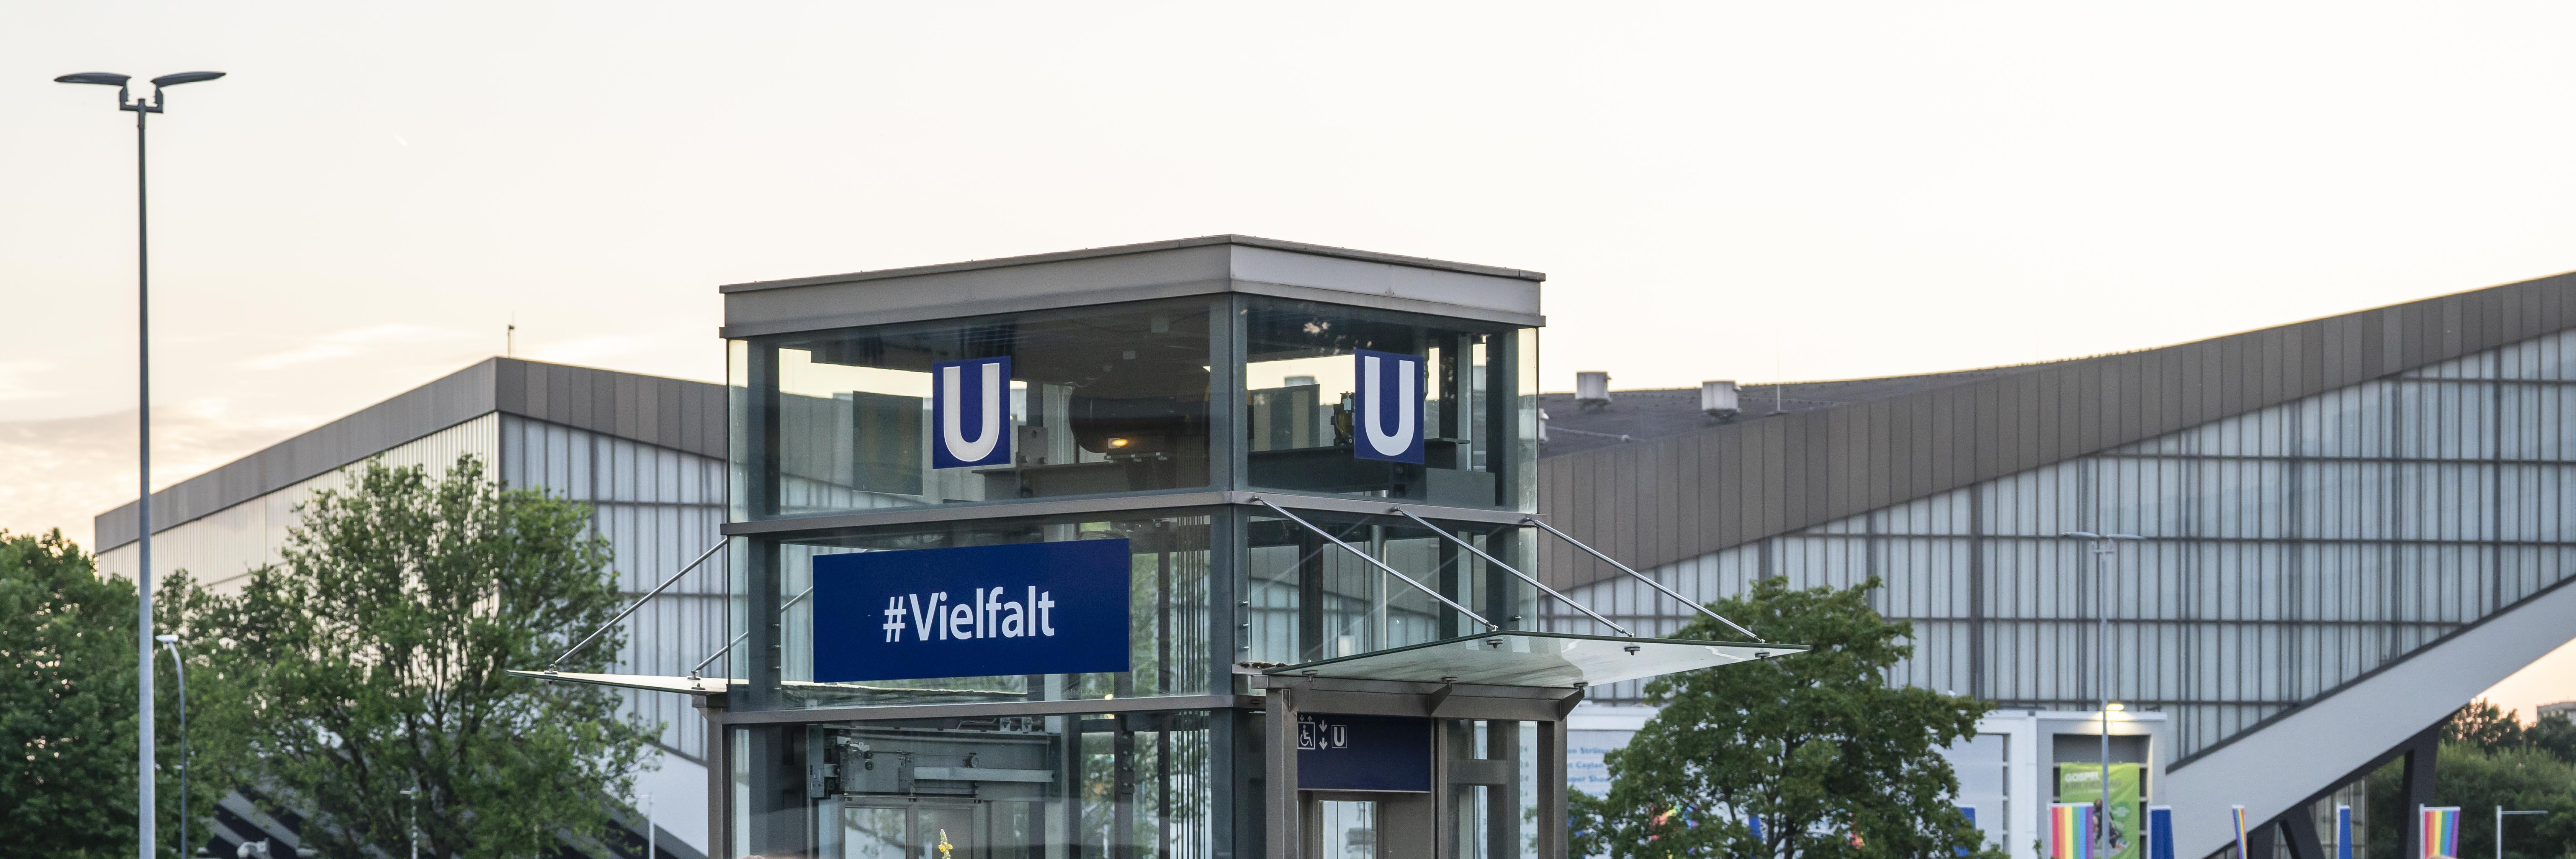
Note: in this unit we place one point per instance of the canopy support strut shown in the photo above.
(1533, 520)
(1373, 561)
(1463, 544)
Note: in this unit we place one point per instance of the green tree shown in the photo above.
(2484, 725)
(2553, 734)
(2489, 758)
(2477, 780)
(67, 714)
(1833, 762)
(373, 661)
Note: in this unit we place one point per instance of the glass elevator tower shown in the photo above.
(1331, 646)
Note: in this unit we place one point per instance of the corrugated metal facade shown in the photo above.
(2293, 544)
(659, 508)
(220, 548)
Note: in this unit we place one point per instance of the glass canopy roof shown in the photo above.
(1516, 658)
(647, 682)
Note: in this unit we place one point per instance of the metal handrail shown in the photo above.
(1292, 517)
(638, 603)
(782, 609)
(1533, 520)
(1463, 544)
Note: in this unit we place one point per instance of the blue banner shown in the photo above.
(970, 412)
(1384, 753)
(2160, 832)
(1390, 406)
(2343, 832)
(1020, 608)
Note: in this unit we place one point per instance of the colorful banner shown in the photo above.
(2083, 783)
(2070, 830)
(2441, 828)
(2237, 813)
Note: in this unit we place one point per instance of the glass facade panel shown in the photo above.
(1126, 786)
(1103, 399)
(1307, 599)
(2289, 550)
(1479, 404)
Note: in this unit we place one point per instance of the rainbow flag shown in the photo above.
(2070, 830)
(2441, 833)
(2237, 814)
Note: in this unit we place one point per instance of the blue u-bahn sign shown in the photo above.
(972, 611)
(970, 412)
(1337, 751)
(1390, 407)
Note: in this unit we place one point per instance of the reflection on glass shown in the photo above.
(1308, 599)
(1299, 402)
(1009, 787)
(1103, 399)
(874, 832)
(1493, 793)
(1349, 829)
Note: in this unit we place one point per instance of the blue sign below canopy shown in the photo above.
(1337, 751)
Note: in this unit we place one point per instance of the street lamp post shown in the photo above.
(2104, 546)
(2499, 836)
(412, 794)
(145, 810)
(179, 665)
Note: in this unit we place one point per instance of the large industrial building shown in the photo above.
(2352, 526)
(646, 452)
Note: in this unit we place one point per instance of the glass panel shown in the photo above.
(1011, 787)
(875, 832)
(1349, 829)
(1308, 599)
(1299, 394)
(1103, 399)
(1493, 796)
(1168, 645)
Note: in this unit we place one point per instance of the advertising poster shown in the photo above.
(2082, 783)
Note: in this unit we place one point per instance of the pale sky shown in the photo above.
(1748, 191)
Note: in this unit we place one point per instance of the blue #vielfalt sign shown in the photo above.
(970, 412)
(1337, 751)
(1390, 406)
(972, 611)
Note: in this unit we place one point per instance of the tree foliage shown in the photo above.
(1815, 748)
(372, 662)
(2489, 758)
(67, 708)
(2483, 724)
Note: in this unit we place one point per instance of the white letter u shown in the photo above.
(950, 432)
(1372, 398)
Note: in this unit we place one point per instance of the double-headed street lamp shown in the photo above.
(2104, 546)
(145, 809)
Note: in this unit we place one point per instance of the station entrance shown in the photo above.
(1223, 548)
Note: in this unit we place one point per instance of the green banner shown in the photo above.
(2083, 783)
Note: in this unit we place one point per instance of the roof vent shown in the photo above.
(1592, 390)
(1717, 400)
